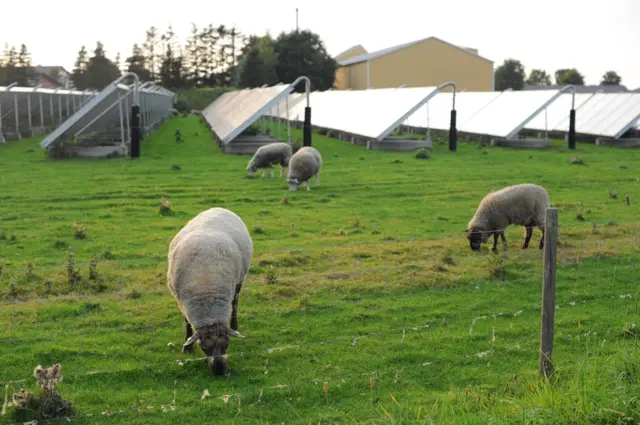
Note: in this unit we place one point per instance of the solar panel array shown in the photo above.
(106, 116)
(497, 114)
(26, 111)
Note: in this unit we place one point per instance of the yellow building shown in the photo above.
(420, 63)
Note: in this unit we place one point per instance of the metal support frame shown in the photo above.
(6, 90)
(546, 104)
(452, 129)
(16, 114)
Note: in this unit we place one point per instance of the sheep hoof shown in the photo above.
(188, 349)
(494, 250)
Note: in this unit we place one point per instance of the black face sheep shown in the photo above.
(209, 259)
(303, 165)
(522, 204)
(268, 155)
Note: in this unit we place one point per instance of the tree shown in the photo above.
(136, 63)
(539, 77)
(566, 76)
(191, 62)
(611, 78)
(149, 49)
(78, 75)
(118, 61)
(101, 71)
(171, 70)
(303, 53)
(252, 70)
(23, 71)
(510, 75)
(265, 48)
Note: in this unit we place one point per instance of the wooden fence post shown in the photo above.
(548, 291)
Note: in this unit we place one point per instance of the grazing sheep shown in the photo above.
(522, 204)
(209, 259)
(268, 155)
(303, 165)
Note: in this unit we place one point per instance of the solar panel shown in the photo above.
(371, 114)
(106, 116)
(436, 113)
(231, 114)
(508, 113)
(607, 114)
(26, 111)
(558, 111)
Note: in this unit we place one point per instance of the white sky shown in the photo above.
(591, 35)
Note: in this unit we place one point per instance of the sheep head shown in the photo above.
(214, 341)
(251, 168)
(477, 237)
(293, 184)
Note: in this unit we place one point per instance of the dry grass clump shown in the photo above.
(49, 404)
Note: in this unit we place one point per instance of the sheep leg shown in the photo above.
(527, 237)
(495, 242)
(504, 241)
(308, 186)
(188, 333)
(263, 172)
(318, 179)
(234, 308)
(271, 170)
(281, 170)
(541, 239)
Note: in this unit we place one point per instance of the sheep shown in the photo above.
(209, 259)
(522, 204)
(303, 165)
(267, 155)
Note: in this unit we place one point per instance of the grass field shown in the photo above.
(364, 303)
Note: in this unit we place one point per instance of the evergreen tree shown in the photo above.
(78, 75)
(101, 71)
(136, 63)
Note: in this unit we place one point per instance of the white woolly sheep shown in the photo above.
(303, 165)
(209, 259)
(522, 204)
(268, 155)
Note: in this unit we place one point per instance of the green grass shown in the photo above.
(364, 303)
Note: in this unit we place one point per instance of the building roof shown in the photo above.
(580, 89)
(349, 49)
(379, 53)
(49, 69)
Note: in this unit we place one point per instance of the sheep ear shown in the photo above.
(193, 338)
(236, 334)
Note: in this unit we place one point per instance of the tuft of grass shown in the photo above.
(79, 231)
(613, 194)
(176, 167)
(164, 207)
(258, 230)
(423, 154)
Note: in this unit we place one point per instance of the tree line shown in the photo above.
(218, 56)
(511, 75)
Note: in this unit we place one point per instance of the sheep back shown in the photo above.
(522, 204)
(273, 153)
(208, 257)
(304, 164)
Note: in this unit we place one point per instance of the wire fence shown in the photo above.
(431, 301)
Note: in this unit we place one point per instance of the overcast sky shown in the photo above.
(591, 35)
